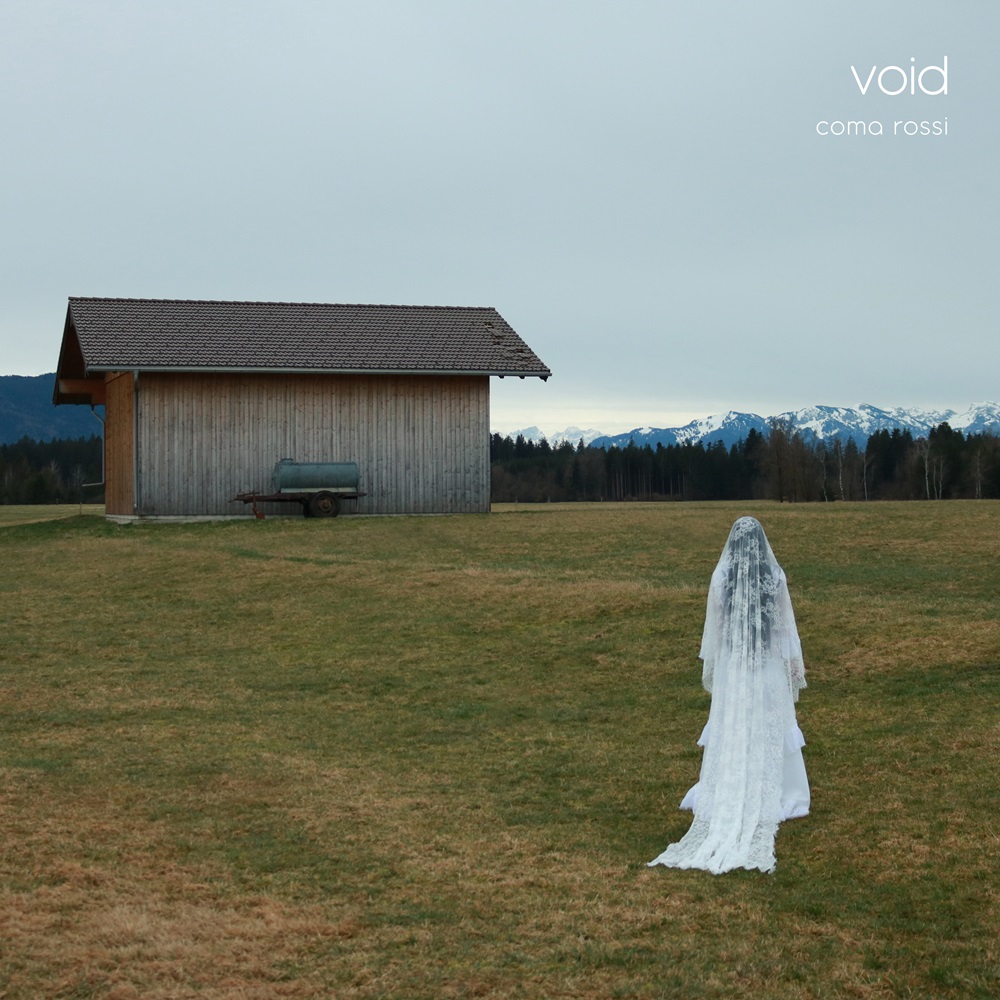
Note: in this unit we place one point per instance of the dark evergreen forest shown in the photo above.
(780, 465)
(51, 471)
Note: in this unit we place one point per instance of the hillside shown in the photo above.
(27, 410)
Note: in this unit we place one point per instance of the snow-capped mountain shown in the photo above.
(977, 419)
(829, 422)
(813, 422)
(571, 434)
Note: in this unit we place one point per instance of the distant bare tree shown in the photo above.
(778, 458)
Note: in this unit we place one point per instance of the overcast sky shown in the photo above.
(639, 188)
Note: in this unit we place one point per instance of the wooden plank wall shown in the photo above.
(421, 442)
(118, 444)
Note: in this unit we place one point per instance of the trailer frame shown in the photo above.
(315, 503)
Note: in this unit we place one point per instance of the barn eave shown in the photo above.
(271, 370)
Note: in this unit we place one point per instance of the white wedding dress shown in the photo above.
(752, 772)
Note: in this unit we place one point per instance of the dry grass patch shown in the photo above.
(428, 757)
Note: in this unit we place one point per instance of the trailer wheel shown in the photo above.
(323, 505)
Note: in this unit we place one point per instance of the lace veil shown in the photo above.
(749, 619)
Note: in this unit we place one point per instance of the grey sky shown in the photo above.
(638, 187)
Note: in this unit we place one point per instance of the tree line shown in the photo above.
(779, 465)
(51, 471)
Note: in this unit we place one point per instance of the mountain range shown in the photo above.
(26, 410)
(823, 423)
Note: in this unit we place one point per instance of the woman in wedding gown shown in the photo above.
(752, 772)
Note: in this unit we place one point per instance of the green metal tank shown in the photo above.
(309, 477)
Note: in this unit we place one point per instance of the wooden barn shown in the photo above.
(202, 399)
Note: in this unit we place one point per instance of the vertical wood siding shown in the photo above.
(119, 443)
(421, 442)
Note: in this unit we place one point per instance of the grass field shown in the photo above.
(428, 757)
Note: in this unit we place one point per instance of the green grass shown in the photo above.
(428, 757)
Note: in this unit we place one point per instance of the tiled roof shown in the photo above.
(181, 335)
